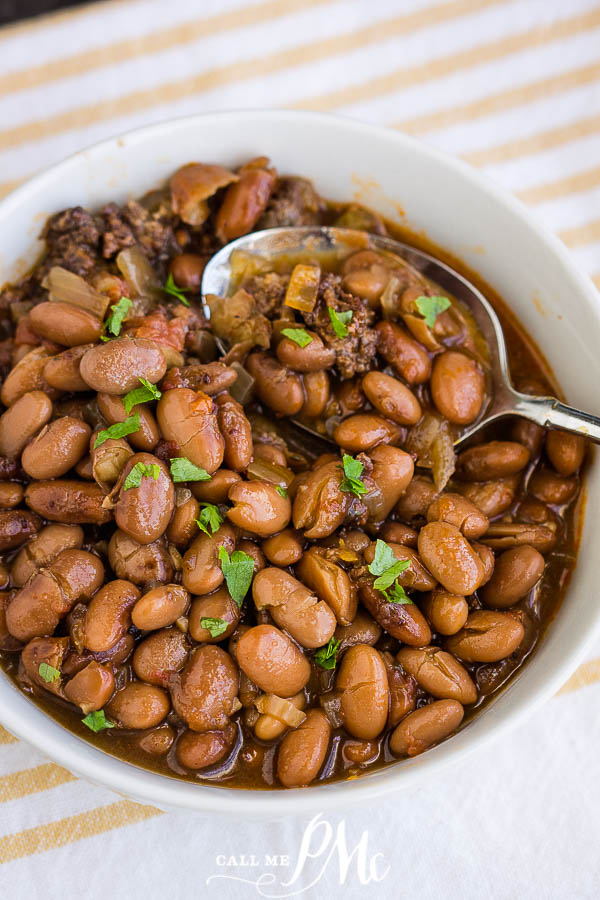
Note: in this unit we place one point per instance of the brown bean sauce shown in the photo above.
(178, 232)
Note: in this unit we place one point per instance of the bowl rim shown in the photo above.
(27, 721)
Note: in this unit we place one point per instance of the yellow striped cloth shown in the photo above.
(511, 86)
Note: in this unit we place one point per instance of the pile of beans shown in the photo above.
(191, 586)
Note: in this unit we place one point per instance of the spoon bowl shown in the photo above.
(549, 412)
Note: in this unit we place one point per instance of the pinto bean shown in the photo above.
(198, 750)
(438, 673)
(218, 605)
(183, 528)
(16, 527)
(209, 378)
(108, 615)
(158, 741)
(202, 572)
(117, 366)
(364, 431)
(236, 431)
(26, 376)
(425, 727)
(317, 388)
(450, 558)
(312, 358)
(550, 488)
(310, 621)
(364, 692)
(147, 436)
(397, 533)
(49, 650)
(245, 201)
(67, 501)
(486, 637)
(283, 549)
(445, 612)
(7, 641)
(416, 500)
(362, 630)
(57, 448)
(91, 688)
(516, 572)
(144, 512)
(319, 505)
(188, 418)
(217, 489)
(330, 583)
(65, 324)
(366, 274)
(491, 497)
(457, 387)
(400, 350)
(138, 706)
(392, 472)
(115, 656)
(276, 385)
(272, 661)
(565, 451)
(22, 420)
(187, 269)
(416, 575)
(259, 508)
(62, 371)
(458, 511)
(403, 621)
(529, 434)
(392, 398)
(496, 459)
(11, 494)
(161, 655)
(160, 607)
(205, 692)
(139, 563)
(36, 610)
(302, 751)
(43, 548)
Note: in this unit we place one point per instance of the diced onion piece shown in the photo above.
(390, 298)
(172, 356)
(443, 457)
(262, 470)
(67, 287)
(303, 287)
(331, 706)
(182, 495)
(243, 265)
(192, 185)
(281, 709)
(431, 441)
(18, 309)
(134, 266)
(241, 390)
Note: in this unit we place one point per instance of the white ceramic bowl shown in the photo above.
(459, 210)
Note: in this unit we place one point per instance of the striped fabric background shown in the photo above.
(512, 87)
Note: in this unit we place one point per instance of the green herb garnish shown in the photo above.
(281, 491)
(326, 657)
(147, 391)
(139, 471)
(339, 321)
(115, 320)
(210, 517)
(299, 335)
(215, 627)
(48, 673)
(171, 288)
(184, 470)
(351, 482)
(97, 721)
(238, 571)
(387, 569)
(431, 307)
(118, 430)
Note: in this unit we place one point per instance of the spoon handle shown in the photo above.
(551, 413)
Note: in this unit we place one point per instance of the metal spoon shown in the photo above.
(506, 401)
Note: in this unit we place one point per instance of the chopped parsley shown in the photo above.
(431, 307)
(97, 721)
(351, 482)
(281, 491)
(215, 627)
(171, 288)
(48, 673)
(118, 430)
(147, 391)
(339, 321)
(139, 471)
(113, 324)
(184, 470)
(209, 517)
(326, 657)
(387, 569)
(238, 571)
(299, 335)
